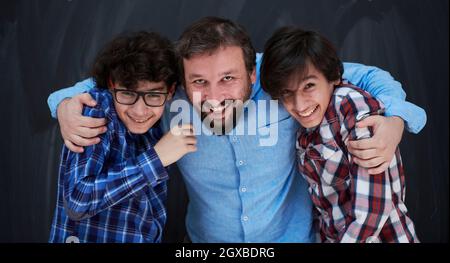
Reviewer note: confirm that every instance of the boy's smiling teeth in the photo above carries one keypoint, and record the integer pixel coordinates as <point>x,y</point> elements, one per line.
<point>138,121</point>
<point>308,112</point>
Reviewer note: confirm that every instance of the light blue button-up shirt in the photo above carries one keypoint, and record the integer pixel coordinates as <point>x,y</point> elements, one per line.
<point>240,191</point>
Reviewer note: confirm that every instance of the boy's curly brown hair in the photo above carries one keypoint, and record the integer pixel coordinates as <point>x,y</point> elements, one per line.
<point>133,57</point>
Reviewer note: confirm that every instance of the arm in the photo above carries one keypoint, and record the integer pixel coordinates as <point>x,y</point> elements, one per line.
<point>371,202</point>
<point>371,194</point>
<point>76,129</point>
<point>382,86</point>
<point>375,153</point>
<point>92,185</point>
<point>58,96</point>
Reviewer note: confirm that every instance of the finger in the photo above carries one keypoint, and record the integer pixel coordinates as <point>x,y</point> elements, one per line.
<point>80,141</point>
<point>90,122</point>
<point>371,163</point>
<point>380,169</point>
<point>73,147</point>
<point>86,99</point>
<point>185,130</point>
<point>369,121</point>
<point>191,140</point>
<point>188,128</point>
<point>364,154</point>
<point>188,133</point>
<point>191,148</point>
<point>176,131</point>
<point>90,132</point>
<point>363,144</point>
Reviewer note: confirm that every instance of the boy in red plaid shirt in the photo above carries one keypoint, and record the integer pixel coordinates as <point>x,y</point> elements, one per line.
<point>301,68</point>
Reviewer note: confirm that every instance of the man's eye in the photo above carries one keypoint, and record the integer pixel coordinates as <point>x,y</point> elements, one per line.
<point>309,85</point>
<point>199,81</point>
<point>228,78</point>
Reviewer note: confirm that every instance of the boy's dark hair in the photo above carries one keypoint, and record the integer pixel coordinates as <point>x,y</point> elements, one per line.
<point>287,54</point>
<point>133,57</point>
<point>210,33</point>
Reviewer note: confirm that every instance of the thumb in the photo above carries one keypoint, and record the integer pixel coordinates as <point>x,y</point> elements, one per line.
<point>369,121</point>
<point>87,100</point>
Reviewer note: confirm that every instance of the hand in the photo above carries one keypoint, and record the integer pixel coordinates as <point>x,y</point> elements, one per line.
<point>176,143</point>
<point>76,129</point>
<point>376,153</point>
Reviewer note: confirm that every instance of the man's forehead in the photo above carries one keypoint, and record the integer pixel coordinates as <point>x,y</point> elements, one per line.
<point>214,51</point>
<point>199,74</point>
<point>216,54</point>
<point>221,61</point>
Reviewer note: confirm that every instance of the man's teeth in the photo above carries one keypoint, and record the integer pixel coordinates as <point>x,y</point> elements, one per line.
<point>220,108</point>
<point>309,112</point>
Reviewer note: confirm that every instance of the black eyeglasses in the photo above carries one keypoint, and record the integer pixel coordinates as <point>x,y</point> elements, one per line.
<point>130,97</point>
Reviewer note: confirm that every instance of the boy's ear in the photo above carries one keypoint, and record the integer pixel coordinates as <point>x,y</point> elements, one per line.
<point>171,91</point>
<point>253,75</point>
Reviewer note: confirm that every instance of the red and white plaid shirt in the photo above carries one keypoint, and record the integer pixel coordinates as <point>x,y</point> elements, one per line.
<point>352,205</point>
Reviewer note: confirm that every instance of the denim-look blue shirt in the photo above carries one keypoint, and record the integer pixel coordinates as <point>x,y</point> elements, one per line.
<point>240,191</point>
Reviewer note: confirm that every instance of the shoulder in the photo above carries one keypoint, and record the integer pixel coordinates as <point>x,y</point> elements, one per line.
<point>350,100</point>
<point>104,106</point>
<point>259,58</point>
<point>103,109</point>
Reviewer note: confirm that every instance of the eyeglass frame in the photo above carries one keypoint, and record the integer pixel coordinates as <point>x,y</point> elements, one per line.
<point>140,94</point>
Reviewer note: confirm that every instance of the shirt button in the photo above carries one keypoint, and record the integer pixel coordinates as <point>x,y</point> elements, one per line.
<point>244,189</point>
<point>245,218</point>
<point>72,239</point>
<point>241,162</point>
<point>372,239</point>
<point>234,139</point>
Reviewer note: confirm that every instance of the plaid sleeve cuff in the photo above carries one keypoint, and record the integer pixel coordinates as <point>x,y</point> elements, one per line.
<point>152,167</point>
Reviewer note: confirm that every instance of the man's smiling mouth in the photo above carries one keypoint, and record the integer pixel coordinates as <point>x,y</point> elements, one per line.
<point>219,111</point>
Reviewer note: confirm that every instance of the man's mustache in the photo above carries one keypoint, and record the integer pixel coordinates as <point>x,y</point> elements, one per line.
<point>209,106</point>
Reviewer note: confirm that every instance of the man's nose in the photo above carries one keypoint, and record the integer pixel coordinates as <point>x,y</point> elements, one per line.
<point>214,93</point>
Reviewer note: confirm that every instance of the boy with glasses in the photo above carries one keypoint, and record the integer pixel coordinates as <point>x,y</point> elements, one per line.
<point>115,191</point>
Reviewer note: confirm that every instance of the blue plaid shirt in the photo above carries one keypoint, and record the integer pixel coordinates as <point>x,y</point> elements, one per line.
<point>115,190</point>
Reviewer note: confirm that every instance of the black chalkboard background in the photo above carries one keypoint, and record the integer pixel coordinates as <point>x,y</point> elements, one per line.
<point>47,45</point>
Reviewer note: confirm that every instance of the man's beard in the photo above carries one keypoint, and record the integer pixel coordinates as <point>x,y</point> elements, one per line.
<point>229,120</point>
<point>223,126</point>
